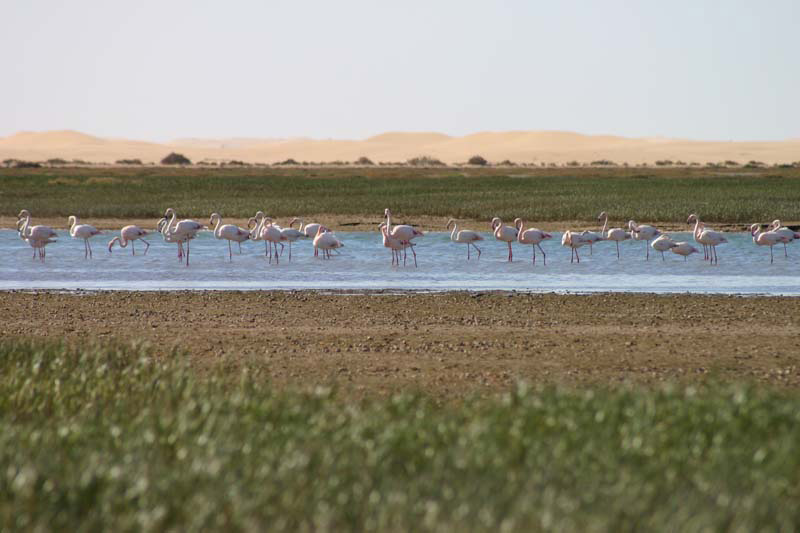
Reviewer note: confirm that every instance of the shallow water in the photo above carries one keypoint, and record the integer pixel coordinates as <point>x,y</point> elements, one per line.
<point>364,264</point>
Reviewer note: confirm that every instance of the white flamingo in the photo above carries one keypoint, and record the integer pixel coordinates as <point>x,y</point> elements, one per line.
<point>685,249</point>
<point>785,232</point>
<point>643,233</point>
<point>707,237</point>
<point>464,237</point>
<point>767,238</point>
<point>506,234</point>
<point>310,229</point>
<point>403,232</point>
<point>326,241</point>
<point>532,236</point>
<point>662,243</point>
<point>229,232</point>
<point>130,234</point>
<point>393,244</point>
<point>592,237</point>
<point>180,232</point>
<point>614,234</point>
<point>291,235</point>
<point>573,240</point>
<point>82,231</point>
<point>37,236</point>
<point>271,235</point>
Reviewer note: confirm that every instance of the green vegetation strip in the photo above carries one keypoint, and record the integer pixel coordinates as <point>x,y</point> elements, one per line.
<point>108,438</point>
<point>546,195</point>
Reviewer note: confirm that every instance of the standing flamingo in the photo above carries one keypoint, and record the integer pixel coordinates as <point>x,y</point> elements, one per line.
<point>394,245</point>
<point>271,235</point>
<point>326,241</point>
<point>291,235</point>
<point>643,233</point>
<point>707,237</point>
<point>662,243</point>
<point>573,240</point>
<point>767,238</point>
<point>310,229</point>
<point>82,231</point>
<point>592,237</point>
<point>614,234</point>
<point>785,232</point>
<point>229,232</point>
<point>37,236</point>
<point>130,234</point>
<point>685,249</point>
<point>503,233</point>
<point>464,237</point>
<point>180,232</point>
<point>532,236</point>
<point>403,232</point>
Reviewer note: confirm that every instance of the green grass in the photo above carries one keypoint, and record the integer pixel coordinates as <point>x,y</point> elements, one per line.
<point>657,195</point>
<point>112,439</point>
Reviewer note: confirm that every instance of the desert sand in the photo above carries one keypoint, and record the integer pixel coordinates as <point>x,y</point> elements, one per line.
<point>520,146</point>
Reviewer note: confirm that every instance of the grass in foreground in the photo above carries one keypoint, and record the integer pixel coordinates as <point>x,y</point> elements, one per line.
<point>656,195</point>
<point>110,438</point>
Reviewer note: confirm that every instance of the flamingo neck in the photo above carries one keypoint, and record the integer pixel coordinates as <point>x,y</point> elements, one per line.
<point>217,230</point>
<point>604,231</point>
<point>73,221</point>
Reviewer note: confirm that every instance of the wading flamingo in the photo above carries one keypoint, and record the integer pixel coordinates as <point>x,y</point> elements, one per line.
<point>37,236</point>
<point>767,238</point>
<point>310,229</point>
<point>403,232</point>
<point>229,232</point>
<point>38,246</point>
<point>464,237</point>
<point>614,234</point>
<point>532,236</point>
<point>180,232</point>
<point>162,226</point>
<point>271,235</point>
<point>326,241</point>
<point>291,235</point>
<point>507,234</point>
<point>707,237</point>
<point>394,245</point>
<point>573,240</point>
<point>685,249</point>
<point>82,231</point>
<point>662,243</point>
<point>643,233</point>
<point>130,234</point>
<point>785,232</point>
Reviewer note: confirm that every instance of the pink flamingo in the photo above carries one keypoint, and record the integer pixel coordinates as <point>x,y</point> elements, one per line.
<point>785,232</point>
<point>326,241</point>
<point>643,232</point>
<point>464,237</point>
<point>532,236</point>
<point>507,234</point>
<point>614,234</point>
<point>180,232</point>
<point>394,245</point>
<point>37,236</point>
<point>130,234</point>
<point>767,238</point>
<point>685,249</point>
<point>271,235</point>
<point>707,237</point>
<point>229,232</point>
<point>402,232</point>
<point>573,240</point>
<point>82,231</point>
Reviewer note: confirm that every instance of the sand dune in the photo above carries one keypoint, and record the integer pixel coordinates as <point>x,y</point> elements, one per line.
<point>518,146</point>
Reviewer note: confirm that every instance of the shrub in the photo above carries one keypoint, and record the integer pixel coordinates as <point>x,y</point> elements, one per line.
<point>363,160</point>
<point>425,161</point>
<point>603,163</point>
<point>56,161</point>
<point>754,164</point>
<point>129,162</point>
<point>289,161</point>
<point>176,159</point>
<point>508,163</point>
<point>9,162</point>
<point>730,163</point>
<point>664,163</point>
<point>573,164</point>
<point>27,164</point>
<point>236,163</point>
<point>478,160</point>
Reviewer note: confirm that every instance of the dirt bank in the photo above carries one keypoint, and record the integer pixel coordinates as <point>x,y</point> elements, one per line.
<point>448,344</point>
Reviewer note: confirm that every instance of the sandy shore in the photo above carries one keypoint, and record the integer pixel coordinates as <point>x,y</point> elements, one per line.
<point>449,344</point>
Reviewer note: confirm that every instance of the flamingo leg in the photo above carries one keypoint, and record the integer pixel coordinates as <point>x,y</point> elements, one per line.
<point>544,255</point>
<point>617,249</point>
<point>479,250</point>
<point>785,251</point>
<point>415,255</point>
<point>647,250</point>
<point>771,259</point>
<point>147,245</point>
<point>467,251</point>
<point>591,248</point>
<point>187,253</point>
<point>230,252</point>
<point>510,255</point>
<point>662,256</point>
<point>577,255</point>
<point>240,248</point>
<point>290,251</point>
<point>133,247</point>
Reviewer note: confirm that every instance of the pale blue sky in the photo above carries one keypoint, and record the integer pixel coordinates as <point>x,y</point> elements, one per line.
<point>350,69</point>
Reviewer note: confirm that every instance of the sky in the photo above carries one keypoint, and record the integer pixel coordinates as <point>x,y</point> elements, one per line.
<point>345,69</point>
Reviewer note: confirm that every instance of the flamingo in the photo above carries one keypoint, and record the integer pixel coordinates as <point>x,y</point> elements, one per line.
<point>228,232</point>
<point>130,234</point>
<point>310,229</point>
<point>464,237</point>
<point>327,241</point>
<point>614,234</point>
<point>37,236</point>
<point>532,236</point>
<point>707,237</point>
<point>394,245</point>
<point>573,239</point>
<point>788,234</point>
<point>767,238</point>
<point>503,233</point>
<point>180,232</point>
<point>403,232</point>
<point>82,231</point>
<point>292,235</point>
<point>162,228</point>
<point>685,249</point>
<point>592,237</point>
<point>643,233</point>
<point>271,235</point>
<point>662,243</point>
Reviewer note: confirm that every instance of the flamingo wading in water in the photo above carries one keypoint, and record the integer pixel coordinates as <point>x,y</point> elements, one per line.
<point>614,234</point>
<point>707,237</point>
<point>464,236</point>
<point>785,232</point>
<point>229,232</point>
<point>82,231</point>
<point>573,240</point>
<point>507,234</point>
<point>532,236</point>
<point>37,236</point>
<point>767,238</point>
<point>130,234</point>
<point>180,232</point>
<point>402,232</point>
<point>643,232</point>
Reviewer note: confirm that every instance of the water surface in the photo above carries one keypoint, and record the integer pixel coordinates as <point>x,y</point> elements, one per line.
<point>364,264</point>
